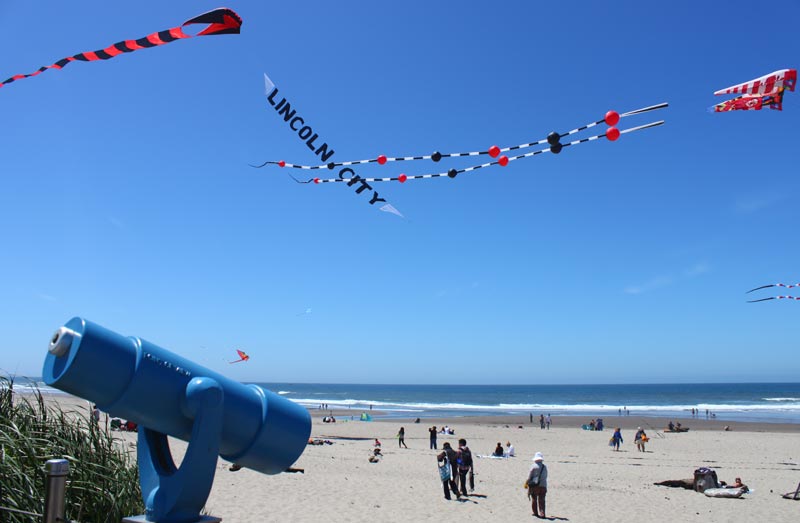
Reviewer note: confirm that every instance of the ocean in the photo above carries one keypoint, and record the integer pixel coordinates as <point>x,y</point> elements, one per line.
<point>762,402</point>
<point>767,402</point>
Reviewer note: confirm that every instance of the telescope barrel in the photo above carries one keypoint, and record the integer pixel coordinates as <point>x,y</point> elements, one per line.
<point>134,379</point>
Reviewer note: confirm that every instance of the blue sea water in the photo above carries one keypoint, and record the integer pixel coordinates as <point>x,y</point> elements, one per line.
<point>768,402</point>
<point>764,402</point>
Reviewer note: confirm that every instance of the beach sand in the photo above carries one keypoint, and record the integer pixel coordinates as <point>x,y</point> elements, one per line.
<point>588,482</point>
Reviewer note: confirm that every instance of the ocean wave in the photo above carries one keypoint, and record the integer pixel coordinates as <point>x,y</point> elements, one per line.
<point>39,387</point>
<point>781,399</point>
<point>284,392</point>
<point>539,407</point>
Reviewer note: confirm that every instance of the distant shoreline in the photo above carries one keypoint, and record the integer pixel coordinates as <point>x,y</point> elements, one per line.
<point>649,423</point>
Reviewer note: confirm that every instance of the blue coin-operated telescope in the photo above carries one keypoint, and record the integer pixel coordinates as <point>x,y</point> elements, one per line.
<point>167,395</point>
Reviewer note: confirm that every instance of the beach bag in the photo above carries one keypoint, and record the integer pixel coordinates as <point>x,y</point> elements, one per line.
<point>444,469</point>
<point>705,478</point>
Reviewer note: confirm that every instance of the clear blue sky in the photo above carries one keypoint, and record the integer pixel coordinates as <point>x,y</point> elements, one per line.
<point>127,196</point>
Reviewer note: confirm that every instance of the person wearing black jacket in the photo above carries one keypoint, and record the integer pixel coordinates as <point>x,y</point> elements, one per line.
<point>465,464</point>
<point>449,456</point>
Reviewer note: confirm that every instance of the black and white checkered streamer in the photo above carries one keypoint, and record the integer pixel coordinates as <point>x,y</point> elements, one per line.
<point>776,298</point>
<point>452,173</point>
<point>611,118</point>
<point>784,285</point>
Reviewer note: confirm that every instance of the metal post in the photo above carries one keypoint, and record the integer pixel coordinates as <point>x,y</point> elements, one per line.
<point>56,471</point>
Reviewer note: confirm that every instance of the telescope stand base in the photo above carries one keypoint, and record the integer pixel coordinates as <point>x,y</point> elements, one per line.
<point>143,519</point>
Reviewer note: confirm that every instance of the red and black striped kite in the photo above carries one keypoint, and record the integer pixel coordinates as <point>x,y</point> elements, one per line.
<point>220,21</point>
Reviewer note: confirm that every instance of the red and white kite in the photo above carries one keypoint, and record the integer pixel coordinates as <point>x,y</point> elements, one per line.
<point>764,91</point>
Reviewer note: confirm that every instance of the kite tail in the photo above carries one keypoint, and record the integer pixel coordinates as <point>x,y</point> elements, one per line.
<point>221,21</point>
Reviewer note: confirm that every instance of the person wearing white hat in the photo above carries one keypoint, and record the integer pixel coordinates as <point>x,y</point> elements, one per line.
<point>537,485</point>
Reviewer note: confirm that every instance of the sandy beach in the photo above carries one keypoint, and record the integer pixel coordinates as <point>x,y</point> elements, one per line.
<point>588,481</point>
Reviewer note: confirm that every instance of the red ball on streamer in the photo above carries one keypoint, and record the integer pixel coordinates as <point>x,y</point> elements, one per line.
<point>612,118</point>
<point>282,163</point>
<point>402,178</point>
<point>612,134</point>
<point>381,159</point>
<point>503,160</point>
<point>494,151</point>
<point>316,180</point>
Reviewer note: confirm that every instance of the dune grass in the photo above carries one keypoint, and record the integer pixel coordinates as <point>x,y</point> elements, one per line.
<point>103,483</point>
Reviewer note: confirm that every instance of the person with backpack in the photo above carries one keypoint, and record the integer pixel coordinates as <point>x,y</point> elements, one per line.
<point>448,471</point>
<point>465,466</point>
<point>537,485</point>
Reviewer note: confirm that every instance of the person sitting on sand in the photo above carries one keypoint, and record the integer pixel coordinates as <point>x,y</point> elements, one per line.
<point>737,483</point>
<point>591,425</point>
<point>671,426</point>
<point>509,449</point>
<point>377,452</point>
<point>498,450</point>
<point>377,443</point>
<point>678,426</point>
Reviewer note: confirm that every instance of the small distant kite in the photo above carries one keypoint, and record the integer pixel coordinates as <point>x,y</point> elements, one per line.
<point>764,91</point>
<point>307,311</point>
<point>784,285</point>
<point>220,21</point>
<point>242,356</point>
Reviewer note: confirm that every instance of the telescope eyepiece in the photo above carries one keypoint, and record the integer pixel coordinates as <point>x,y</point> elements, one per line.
<point>61,341</point>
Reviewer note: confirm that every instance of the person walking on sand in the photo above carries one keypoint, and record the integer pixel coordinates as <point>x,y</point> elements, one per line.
<point>401,438</point>
<point>465,464</point>
<point>541,421</point>
<point>640,439</point>
<point>616,439</point>
<point>432,432</point>
<point>537,485</point>
<point>547,421</point>
<point>449,457</point>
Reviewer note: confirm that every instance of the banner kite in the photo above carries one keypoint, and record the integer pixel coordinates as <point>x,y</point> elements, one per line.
<point>220,21</point>
<point>552,141</point>
<point>306,133</point>
<point>758,93</point>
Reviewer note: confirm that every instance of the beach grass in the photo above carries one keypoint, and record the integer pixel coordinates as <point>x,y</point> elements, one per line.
<point>103,483</point>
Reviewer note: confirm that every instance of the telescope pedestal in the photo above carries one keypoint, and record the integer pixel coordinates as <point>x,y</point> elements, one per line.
<point>177,495</point>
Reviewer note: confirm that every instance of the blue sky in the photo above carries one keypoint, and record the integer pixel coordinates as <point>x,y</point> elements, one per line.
<point>127,197</point>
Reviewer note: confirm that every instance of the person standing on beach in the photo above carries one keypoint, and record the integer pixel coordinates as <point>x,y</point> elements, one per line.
<point>449,456</point>
<point>537,485</point>
<point>547,421</point>
<point>541,421</point>
<point>432,431</point>
<point>465,464</point>
<point>401,438</point>
<point>616,439</point>
<point>640,439</point>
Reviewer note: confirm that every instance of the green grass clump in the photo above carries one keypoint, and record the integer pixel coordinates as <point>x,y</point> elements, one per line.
<point>103,481</point>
